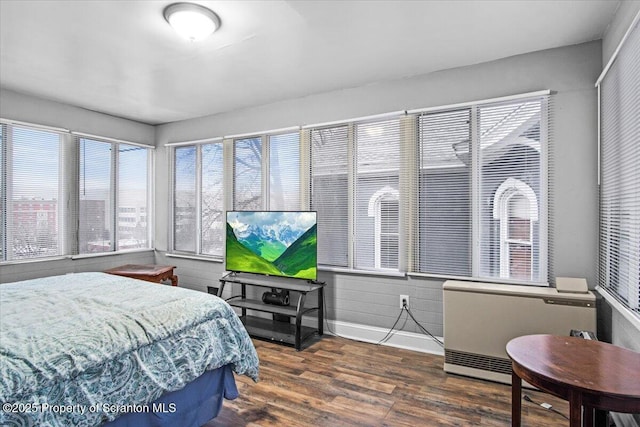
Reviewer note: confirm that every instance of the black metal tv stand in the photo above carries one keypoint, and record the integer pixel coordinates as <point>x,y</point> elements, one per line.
<point>275,330</point>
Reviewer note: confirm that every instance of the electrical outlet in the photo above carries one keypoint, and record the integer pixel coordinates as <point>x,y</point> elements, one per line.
<point>404,298</point>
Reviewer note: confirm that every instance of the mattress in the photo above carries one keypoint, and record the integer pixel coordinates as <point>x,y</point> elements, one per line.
<point>83,349</point>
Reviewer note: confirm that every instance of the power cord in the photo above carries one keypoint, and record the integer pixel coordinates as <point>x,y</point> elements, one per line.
<point>406,309</point>
<point>390,332</point>
<point>544,405</point>
<point>422,327</point>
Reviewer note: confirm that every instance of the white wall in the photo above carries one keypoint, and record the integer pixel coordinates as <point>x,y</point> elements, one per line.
<point>25,108</point>
<point>627,10</point>
<point>31,270</point>
<point>370,300</point>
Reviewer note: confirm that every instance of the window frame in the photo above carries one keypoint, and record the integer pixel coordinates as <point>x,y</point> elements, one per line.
<point>544,266</point>
<point>618,238</point>
<point>228,144</point>
<point>68,213</point>
<point>114,192</point>
<point>7,170</point>
<point>198,146</point>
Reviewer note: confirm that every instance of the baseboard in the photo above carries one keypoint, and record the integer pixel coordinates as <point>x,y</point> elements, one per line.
<point>373,334</point>
<point>624,420</point>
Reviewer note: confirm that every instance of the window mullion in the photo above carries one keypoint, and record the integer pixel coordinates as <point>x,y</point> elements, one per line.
<point>171,225</point>
<point>351,188</point>
<point>305,169</point>
<point>151,191</point>
<point>115,147</point>
<point>198,207</point>
<point>545,265</point>
<point>69,189</point>
<point>408,190</point>
<point>266,171</point>
<point>8,194</point>
<point>476,171</point>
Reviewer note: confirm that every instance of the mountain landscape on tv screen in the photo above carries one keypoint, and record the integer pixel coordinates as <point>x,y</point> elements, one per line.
<point>269,243</point>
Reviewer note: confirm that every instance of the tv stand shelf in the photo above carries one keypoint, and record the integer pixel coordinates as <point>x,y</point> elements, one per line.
<point>284,332</point>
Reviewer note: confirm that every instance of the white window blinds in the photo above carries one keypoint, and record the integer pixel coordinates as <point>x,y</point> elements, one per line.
<point>247,174</point>
<point>133,196</point>
<point>114,194</point>
<point>96,197</point>
<point>184,199</point>
<point>31,192</point>
<point>213,217</point>
<point>619,270</point>
<point>3,210</point>
<point>511,192</point>
<point>482,192</point>
<point>198,199</point>
<point>377,196</point>
<point>284,172</point>
<point>330,193</point>
<point>444,193</point>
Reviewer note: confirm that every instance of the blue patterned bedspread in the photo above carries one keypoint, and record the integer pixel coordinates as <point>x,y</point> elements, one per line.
<point>80,349</point>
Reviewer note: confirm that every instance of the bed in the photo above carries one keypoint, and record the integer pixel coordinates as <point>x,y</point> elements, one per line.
<point>90,349</point>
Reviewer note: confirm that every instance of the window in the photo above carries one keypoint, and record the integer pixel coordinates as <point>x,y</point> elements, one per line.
<point>198,199</point>
<point>200,195</point>
<point>31,173</point>
<point>619,267</point>
<point>133,194</point>
<point>377,154</point>
<point>213,217</point>
<point>447,192</point>
<point>277,159</point>
<point>511,144</point>
<point>330,193</point>
<point>3,145</point>
<point>444,193</point>
<point>247,174</point>
<point>486,186</point>
<point>284,172</point>
<point>111,204</point>
<point>96,197</point>
<point>355,182</point>
<point>184,199</point>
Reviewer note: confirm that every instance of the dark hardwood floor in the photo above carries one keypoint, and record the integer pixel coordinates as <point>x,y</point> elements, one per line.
<point>340,382</point>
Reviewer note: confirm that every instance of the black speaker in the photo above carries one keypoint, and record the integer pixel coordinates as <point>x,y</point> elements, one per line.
<point>276,297</point>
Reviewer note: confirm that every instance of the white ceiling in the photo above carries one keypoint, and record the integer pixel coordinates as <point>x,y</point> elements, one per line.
<point>123,59</point>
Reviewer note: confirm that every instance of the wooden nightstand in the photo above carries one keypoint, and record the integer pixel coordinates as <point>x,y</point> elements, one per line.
<point>150,272</point>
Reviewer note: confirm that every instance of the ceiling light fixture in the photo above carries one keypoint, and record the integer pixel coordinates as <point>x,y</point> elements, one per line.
<point>191,21</point>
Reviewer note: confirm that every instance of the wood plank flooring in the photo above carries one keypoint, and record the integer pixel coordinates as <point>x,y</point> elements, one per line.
<point>340,382</point>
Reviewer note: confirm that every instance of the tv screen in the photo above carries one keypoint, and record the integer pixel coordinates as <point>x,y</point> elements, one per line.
<point>272,243</point>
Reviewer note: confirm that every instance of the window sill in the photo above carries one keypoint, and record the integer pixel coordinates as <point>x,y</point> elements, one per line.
<point>633,318</point>
<point>194,257</point>
<point>102,254</point>
<point>478,279</point>
<point>344,270</point>
<point>35,260</point>
<point>74,257</point>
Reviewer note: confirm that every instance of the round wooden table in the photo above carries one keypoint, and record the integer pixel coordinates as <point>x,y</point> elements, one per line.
<point>587,373</point>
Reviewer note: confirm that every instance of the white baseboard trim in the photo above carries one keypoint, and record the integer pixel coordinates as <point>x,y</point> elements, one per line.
<point>373,334</point>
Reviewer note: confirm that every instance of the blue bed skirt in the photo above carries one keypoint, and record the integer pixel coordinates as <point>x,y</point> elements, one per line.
<point>192,406</point>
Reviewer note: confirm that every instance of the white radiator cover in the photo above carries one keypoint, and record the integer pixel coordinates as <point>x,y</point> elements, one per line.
<point>481,318</point>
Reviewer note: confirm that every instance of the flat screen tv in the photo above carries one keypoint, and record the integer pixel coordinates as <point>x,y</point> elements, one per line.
<point>274,243</point>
